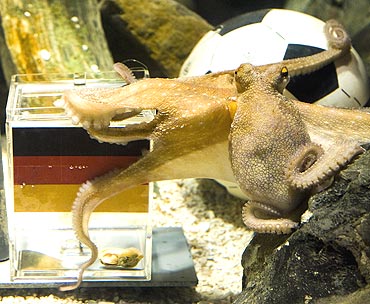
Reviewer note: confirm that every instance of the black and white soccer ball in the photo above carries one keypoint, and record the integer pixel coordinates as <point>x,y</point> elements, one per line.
<point>272,35</point>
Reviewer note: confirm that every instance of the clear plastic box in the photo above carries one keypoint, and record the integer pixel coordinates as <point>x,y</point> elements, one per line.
<point>47,159</point>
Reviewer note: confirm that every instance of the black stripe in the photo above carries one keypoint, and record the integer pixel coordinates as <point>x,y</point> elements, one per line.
<point>242,20</point>
<point>316,85</point>
<point>68,142</point>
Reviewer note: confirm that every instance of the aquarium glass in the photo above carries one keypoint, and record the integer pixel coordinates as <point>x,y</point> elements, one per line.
<point>48,158</point>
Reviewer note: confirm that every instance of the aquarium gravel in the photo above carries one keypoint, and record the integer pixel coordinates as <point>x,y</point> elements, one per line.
<point>211,220</point>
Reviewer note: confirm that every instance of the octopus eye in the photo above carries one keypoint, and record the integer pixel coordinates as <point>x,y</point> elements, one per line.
<point>284,72</point>
<point>282,80</point>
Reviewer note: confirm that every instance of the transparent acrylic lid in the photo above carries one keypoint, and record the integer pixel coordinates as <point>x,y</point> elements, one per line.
<point>32,96</point>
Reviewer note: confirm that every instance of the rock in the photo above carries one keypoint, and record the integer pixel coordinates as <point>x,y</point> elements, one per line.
<point>359,297</point>
<point>352,14</point>
<point>159,33</point>
<point>327,258</point>
<point>361,43</point>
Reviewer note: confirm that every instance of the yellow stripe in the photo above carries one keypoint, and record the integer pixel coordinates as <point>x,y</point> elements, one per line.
<point>59,198</point>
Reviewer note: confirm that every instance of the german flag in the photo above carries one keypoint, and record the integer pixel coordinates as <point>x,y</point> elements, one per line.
<point>51,163</point>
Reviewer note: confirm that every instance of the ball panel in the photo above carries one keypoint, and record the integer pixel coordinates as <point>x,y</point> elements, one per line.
<point>233,50</point>
<point>243,20</point>
<point>296,27</point>
<point>300,50</point>
<point>339,98</point>
<point>353,78</point>
<point>312,87</point>
<point>199,61</point>
<point>315,86</point>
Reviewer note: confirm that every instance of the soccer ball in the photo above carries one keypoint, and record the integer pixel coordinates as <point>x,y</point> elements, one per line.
<point>272,35</point>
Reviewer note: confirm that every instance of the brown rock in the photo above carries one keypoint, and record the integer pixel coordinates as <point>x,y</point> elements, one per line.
<point>327,259</point>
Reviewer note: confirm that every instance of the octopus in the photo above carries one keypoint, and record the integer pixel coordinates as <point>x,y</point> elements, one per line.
<point>233,125</point>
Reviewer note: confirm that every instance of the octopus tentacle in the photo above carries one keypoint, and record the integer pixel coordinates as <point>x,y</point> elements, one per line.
<point>124,135</point>
<point>95,116</point>
<point>91,194</point>
<point>82,235</point>
<point>158,164</point>
<point>309,167</point>
<point>88,198</point>
<point>336,35</point>
<point>271,225</point>
<point>267,209</point>
<point>297,171</point>
<point>96,107</point>
<point>339,44</point>
<point>328,124</point>
<point>89,111</point>
<point>125,72</point>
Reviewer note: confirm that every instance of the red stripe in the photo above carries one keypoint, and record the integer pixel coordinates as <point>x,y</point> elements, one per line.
<point>32,170</point>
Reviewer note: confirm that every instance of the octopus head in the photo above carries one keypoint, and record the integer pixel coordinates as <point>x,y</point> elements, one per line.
<point>246,75</point>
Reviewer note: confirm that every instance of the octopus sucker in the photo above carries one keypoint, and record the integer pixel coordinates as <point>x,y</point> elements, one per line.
<point>299,169</point>
<point>75,119</point>
<point>324,167</point>
<point>124,72</point>
<point>123,135</point>
<point>266,208</point>
<point>236,127</point>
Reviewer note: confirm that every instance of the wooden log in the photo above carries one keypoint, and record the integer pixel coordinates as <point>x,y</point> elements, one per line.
<point>159,33</point>
<point>47,36</point>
